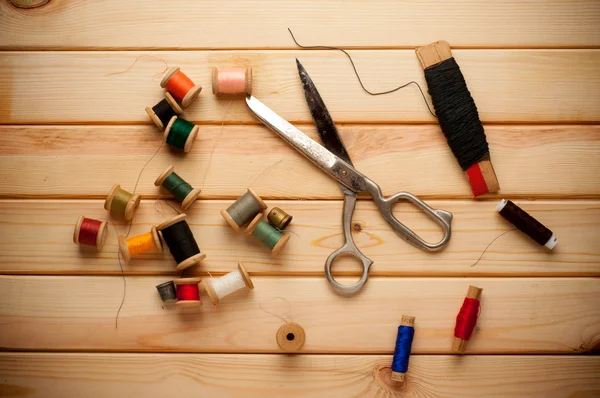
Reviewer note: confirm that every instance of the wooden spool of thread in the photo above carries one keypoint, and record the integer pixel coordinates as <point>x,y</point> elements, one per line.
<point>279,218</point>
<point>188,292</point>
<point>180,134</point>
<point>243,210</point>
<point>167,291</point>
<point>290,337</point>
<point>406,333</point>
<point>181,87</point>
<point>466,319</point>
<point>180,240</point>
<point>178,187</point>
<point>148,242</point>
<point>232,81</point>
<point>162,112</point>
<point>121,204</point>
<point>217,288</point>
<point>460,122</point>
<point>527,224</point>
<point>267,234</point>
<point>90,232</point>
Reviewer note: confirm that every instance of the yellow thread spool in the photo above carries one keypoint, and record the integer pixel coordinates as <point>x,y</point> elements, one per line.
<point>140,244</point>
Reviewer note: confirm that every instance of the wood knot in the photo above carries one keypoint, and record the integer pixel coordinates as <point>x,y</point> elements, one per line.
<point>28,3</point>
<point>383,375</point>
<point>356,227</point>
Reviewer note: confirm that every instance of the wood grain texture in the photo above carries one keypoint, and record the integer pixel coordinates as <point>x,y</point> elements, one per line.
<point>548,86</point>
<point>519,315</point>
<point>264,24</point>
<point>37,240</point>
<point>85,161</point>
<point>191,375</point>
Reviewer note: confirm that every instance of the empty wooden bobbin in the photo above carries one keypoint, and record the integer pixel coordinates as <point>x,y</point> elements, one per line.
<point>190,195</point>
<point>227,81</point>
<point>130,207</point>
<point>178,89</point>
<point>190,137</point>
<point>100,236</point>
<point>158,119</point>
<point>189,261</point>
<point>290,337</point>
<point>187,302</point>
<point>216,295</point>
<point>257,225</point>
<point>124,247</point>
<point>279,218</point>
<point>243,210</point>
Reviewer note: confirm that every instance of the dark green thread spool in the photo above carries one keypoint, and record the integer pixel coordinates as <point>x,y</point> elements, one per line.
<point>243,210</point>
<point>279,218</point>
<point>178,187</point>
<point>180,133</point>
<point>121,204</point>
<point>267,234</point>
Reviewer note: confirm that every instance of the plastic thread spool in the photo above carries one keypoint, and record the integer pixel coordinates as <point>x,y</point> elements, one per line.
<point>180,133</point>
<point>404,340</point>
<point>121,204</point>
<point>279,218</point>
<point>267,234</point>
<point>181,190</point>
<point>188,293</point>
<point>167,291</point>
<point>291,337</point>
<point>90,232</point>
<point>179,238</point>
<point>140,244</point>
<point>527,224</point>
<point>181,87</point>
<point>243,210</point>
<point>466,319</point>
<point>232,81</point>
<point>162,112</point>
<point>218,288</point>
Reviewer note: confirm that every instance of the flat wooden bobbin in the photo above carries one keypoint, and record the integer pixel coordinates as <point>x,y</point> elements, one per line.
<point>215,82</point>
<point>406,321</point>
<point>124,249</point>
<point>188,262</point>
<point>189,199</point>
<point>460,345</point>
<point>190,139</point>
<point>190,96</point>
<point>481,175</point>
<point>133,203</point>
<point>213,295</point>
<point>155,117</point>
<point>188,281</point>
<point>278,246</point>
<point>100,238</point>
<point>290,337</point>
<point>230,220</point>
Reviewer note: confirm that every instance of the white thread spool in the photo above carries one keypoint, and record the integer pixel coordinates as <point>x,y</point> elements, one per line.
<point>218,288</point>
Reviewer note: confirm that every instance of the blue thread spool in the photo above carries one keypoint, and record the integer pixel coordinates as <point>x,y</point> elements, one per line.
<point>406,333</point>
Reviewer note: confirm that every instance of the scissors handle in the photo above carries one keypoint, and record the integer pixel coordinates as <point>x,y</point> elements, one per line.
<point>348,248</point>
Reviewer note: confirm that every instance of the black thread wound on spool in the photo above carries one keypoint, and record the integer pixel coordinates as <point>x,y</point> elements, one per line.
<point>527,224</point>
<point>164,111</point>
<point>457,113</point>
<point>181,241</point>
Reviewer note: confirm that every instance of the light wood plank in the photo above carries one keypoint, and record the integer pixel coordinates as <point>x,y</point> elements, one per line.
<point>192,375</point>
<point>519,315</point>
<point>508,85</point>
<point>191,24</point>
<point>85,161</point>
<point>37,239</point>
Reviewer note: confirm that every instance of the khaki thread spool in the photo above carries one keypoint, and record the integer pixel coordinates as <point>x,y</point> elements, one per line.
<point>181,87</point>
<point>232,81</point>
<point>181,190</point>
<point>267,234</point>
<point>121,204</point>
<point>180,133</point>
<point>90,232</point>
<point>290,337</point>
<point>167,291</point>
<point>243,210</point>
<point>140,244</point>
<point>181,242</point>
<point>163,111</point>
<point>279,218</point>
<point>188,292</point>
<point>218,288</point>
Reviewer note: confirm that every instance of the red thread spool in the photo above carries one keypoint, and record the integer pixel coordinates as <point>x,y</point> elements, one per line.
<point>466,319</point>
<point>90,232</point>
<point>181,87</point>
<point>188,292</point>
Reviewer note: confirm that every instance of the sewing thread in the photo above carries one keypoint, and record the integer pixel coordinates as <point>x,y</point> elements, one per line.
<point>148,242</point>
<point>527,224</point>
<point>218,288</point>
<point>268,235</point>
<point>181,242</point>
<point>188,293</point>
<point>243,210</point>
<point>232,81</point>
<point>180,134</point>
<point>279,218</point>
<point>181,87</point>
<point>404,339</point>
<point>90,232</point>
<point>162,112</point>
<point>178,187</point>
<point>466,319</point>
<point>121,204</point>
<point>167,291</point>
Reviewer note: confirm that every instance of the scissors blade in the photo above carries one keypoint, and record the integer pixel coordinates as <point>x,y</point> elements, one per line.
<point>321,117</point>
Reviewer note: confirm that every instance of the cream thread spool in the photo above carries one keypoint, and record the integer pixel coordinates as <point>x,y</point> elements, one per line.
<point>218,288</point>
<point>290,337</point>
<point>124,246</point>
<point>267,234</point>
<point>279,218</point>
<point>185,302</point>
<point>232,81</point>
<point>157,117</point>
<point>243,210</point>
<point>186,201</point>
<point>180,86</point>
<point>118,209</point>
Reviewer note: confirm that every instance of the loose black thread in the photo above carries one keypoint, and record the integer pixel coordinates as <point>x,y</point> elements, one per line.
<point>164,111</point>
<point>457,113</point>
<point>181,242</point>
<point>358,76</point>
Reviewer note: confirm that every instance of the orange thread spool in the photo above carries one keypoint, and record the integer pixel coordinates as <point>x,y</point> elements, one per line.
<point>181,87</point>
<point>232,81</point>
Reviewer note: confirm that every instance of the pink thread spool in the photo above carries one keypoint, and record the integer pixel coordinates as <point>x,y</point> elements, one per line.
<point>232,81</point>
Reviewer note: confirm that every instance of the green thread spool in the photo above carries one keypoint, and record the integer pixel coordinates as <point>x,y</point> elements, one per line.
<point>279,218</point>
<point>180,133</point>
<point>267,234</point>
<point>178,187</point>
<point>121,204</point>
<point>243,210</point>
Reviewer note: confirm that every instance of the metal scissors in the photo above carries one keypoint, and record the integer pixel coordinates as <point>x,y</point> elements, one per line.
<point>334,160</point>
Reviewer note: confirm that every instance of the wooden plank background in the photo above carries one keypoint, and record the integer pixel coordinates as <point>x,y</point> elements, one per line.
<point>71,126</point>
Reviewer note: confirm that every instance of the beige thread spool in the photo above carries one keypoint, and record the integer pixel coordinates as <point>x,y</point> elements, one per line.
<point>156,119</point>
<point>176,85</point>
<point>279,218</point>
<point>129,208</point>
<point>188,281</point>
<point>243,210</point>
<point>100,237</point>
<point>290,337</point>
<point>223,84</point>
<point>218,288</point>
<point>124,247</point>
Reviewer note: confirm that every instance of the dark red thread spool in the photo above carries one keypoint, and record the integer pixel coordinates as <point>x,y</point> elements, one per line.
<point>90,232</point>
<point>466,319</point>
<point>527,224</point>
<point>188,292</point>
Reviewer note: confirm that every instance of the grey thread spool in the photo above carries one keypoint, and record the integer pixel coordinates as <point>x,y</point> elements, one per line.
<point>279,218</point>
<point>243,210</point>
<point>167,291</point>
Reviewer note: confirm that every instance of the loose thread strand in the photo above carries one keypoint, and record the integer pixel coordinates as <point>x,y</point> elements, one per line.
<point>137,59</point>
<point>260,304</point>
<point>490,244</point>
<point>215,144</point>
